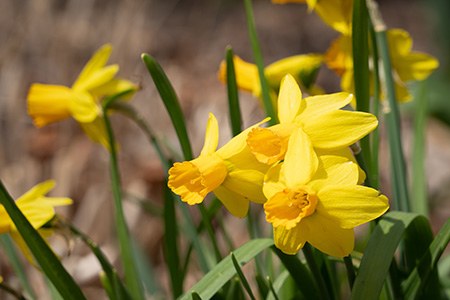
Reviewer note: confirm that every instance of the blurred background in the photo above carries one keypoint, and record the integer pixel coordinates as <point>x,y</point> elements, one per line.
<point>49,41</point>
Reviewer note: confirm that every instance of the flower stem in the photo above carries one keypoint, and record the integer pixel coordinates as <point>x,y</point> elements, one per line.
<point>351,275</point>
<point>126,251</point>
<point>309,255</point>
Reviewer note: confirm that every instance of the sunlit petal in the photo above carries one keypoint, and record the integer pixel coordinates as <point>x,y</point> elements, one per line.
<point>290,102</point>
<point>235,203</point>
<point>211,136</point>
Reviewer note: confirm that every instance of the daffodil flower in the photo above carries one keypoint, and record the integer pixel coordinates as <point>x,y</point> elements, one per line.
<point>407,65</point>
<point>52,103</point>
<point>335,13</point>
<point>304,68</point>
<point>231,172</point>
<point>320,117</point>
<point>316,199</point>
<point>37,208</point>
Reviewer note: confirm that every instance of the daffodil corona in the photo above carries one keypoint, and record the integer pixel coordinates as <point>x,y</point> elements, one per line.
<point>316,199</point>
<point>52,103</point>
<point>231,172</point>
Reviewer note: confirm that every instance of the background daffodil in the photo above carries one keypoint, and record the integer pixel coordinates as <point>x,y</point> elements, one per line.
<point>303,67</point>
<point>52,103</point>
<point>407,65</point>
<point>231,172</point>
<point>317,200</point>
<point>320,117</point>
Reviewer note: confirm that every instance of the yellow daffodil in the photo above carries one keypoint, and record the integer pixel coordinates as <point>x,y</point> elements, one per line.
<point>52,103</point>
<point>316,199</point>
<point>231,172</point>
<point>320,117</point>
<point>335,13</point>
<point>37,208</point>
<point>407,65</point>
<point>304,68</point>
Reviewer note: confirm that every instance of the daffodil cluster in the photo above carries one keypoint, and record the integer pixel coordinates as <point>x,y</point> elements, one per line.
<point>301,170</point>
<point>51,103</point>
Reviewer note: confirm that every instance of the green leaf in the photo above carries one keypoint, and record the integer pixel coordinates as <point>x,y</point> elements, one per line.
<point>268,107</point>
<point>244,281</point>
<point>212,282</point>
<point>170,243</point>
<point>44,256</point>
<point>170,100</point>
<point>301,275</point>
<point>233,96</point>
<point>379,253</point>
<point>414,286</point>
<point>277,285</point>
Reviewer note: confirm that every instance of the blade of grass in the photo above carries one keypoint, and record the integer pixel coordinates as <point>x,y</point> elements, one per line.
<point>392,114</point>
<point>44,256</point>
<point>379,253</point>
<point>14,260</point>
<point>414,284</point>
<point>257,55</point>
<point>244,281</point>
<point>126,248</point>
<point>301,275</point>
<point>324,291</point>
<point>419,203</point>
<point>171,102</point>
<point>233,96</point>
<point>212,282</point>
<point>277,285</point>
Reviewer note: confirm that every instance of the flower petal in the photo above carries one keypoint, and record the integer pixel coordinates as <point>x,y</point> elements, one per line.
<point>49,103</point>
<point>236,204</point>
<point>300,161</point>
<point>39,190</point>
<point>290,102</point>
<point>97,61</point>
<point>247,183</point>
<point>97,79</point>
<point>351,205</point>
<point>327,236</point>
<point>246,74</point>
<point>83,108</point>
<point>415,66</point>
<point>96,131</point>
<point>338,129</point>
<point>274,181</point>
<point>114,86</point>
<point>290,241</point>
<point>322,104</point>
<point>211,136</point>
<point>5,221</point>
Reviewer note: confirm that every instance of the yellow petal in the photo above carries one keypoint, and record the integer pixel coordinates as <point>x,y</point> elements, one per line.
<point>37,213</point>
<point>274,181</point>
<point>97,79</point>
<point>96,131</point>
<point>336,13</point>
<point>113,87</point>
<point>339,55</point>
<point>351,205</point>
<point>400,43</point>
<point>327,236</point>
<point>290,241</point>
<point>303,68</point>
<point>319,105</point>
<point>97,61</point>
<point>236,204</point>
<point>415,66</point>
<point>39,190</point>
<point>247,183</point>
<point>338,129</point>
<point>247,77</point>
<point>49,103</point>
<point>211,136</point>
<point>290,102</point>
<point>288,1</point>
<point>83,108</point>
<point>300,161</point>
<point>5,221</point>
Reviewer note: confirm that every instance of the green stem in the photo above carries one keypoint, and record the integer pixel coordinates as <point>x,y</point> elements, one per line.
<point>126,251</point>
<point>268,107</point>
<point>309,255</point>
<point>351,275</point>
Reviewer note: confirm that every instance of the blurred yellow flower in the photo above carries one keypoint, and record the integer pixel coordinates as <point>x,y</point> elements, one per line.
<point>52,103</point>
<point>316,199</point>
<point>320,117</point>
<point>304,68</point>
<point>407,65</point>
<point>37,208</point>
<point>335,13</point>
<point>231,172</point>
